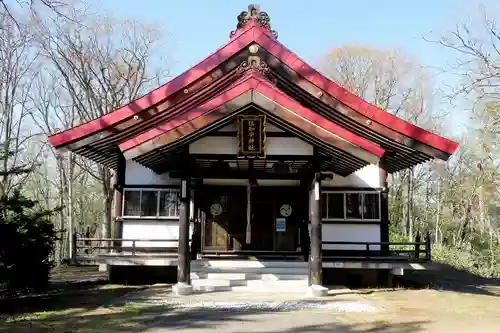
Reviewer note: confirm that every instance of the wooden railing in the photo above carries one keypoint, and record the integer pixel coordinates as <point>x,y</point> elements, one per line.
<point>88,247</point>
<point>418,251</point>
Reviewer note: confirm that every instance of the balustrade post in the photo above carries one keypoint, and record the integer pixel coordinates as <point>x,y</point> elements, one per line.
<point>428,246</point>
<point>417,245</point>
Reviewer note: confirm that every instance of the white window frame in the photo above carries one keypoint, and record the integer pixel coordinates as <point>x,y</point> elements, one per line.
<point>327,219</point>
<point>158,190</point>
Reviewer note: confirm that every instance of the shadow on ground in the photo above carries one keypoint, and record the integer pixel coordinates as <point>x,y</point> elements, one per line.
<point>85,296</point>
<point>252,320</point>
<point>162,319</point>
<point>449,278</point>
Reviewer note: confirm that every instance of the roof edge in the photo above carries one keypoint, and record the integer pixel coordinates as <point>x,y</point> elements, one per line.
<point>358,104</point>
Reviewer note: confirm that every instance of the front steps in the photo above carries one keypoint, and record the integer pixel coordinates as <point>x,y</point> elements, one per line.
<point>249,276</point>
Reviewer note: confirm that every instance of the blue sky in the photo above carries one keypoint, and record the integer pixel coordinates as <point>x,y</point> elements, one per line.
<point>309,29</point>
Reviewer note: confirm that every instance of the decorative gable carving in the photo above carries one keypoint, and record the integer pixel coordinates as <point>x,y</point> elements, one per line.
<point>254,14</point>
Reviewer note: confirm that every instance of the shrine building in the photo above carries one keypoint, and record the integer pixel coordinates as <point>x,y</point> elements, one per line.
<point>252,163</point>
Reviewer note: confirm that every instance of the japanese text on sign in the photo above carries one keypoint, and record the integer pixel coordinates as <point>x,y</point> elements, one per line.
<point>251,136</point>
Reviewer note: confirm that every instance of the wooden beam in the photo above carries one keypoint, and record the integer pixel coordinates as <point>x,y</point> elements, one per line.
<point>238,174</point>
<point>268,134</point>
<point>231,157</point>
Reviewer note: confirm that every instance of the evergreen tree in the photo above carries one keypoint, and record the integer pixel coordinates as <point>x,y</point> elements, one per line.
<point>27,239</point>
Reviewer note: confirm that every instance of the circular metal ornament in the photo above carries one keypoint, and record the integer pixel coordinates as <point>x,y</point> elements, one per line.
<point>254,48</point>
<point>286,210</point>
<point>216,209</point>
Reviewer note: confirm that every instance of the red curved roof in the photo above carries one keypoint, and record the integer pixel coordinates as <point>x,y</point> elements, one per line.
<point>256,34</point>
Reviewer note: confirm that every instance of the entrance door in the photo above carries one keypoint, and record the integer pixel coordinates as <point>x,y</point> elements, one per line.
<point>276,216</point>
<point>288,213</point>
<point>262,224</point>
<point>223,208</point>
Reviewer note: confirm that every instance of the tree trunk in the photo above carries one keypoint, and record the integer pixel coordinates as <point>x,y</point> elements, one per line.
<point>62,185</point>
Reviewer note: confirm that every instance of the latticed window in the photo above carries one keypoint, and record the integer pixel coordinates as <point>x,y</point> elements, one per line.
<point>162,203</point>
<point>169,203</point>
<point>354,205</point>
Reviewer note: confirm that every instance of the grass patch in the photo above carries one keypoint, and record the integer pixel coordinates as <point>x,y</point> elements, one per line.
<point>91,310</point>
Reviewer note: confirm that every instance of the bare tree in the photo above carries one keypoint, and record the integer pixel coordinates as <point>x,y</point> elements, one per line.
<point>102,64</point>
<point>17,62</point>
<point>477,46</point>
<point>16,10</point>
<point>398,85</point>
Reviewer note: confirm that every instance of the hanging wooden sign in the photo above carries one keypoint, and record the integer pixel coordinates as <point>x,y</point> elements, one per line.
<point>252,136</point>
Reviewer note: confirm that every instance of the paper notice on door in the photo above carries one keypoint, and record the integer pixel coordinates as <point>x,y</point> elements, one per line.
<point>280,224</point>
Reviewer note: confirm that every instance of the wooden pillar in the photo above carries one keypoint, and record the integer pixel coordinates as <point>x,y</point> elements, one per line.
<point>248,237</point>
<point>384,205</point>
<point>118,200</point>
<point>304,237</point>
<point>315,264</point>
<point>196,220</point>
<point>183,259</point>
<point>248,232</point>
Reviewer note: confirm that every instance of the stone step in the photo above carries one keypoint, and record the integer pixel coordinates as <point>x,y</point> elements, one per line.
<point>246,276</point>
<point>247,264</point>
<point>222,276</point>
<point>217,283</point>
<point>272,287</point>
<point>249,286</point>
<point>281,283</point>
<point>251,270</point>
<point>211,288</point>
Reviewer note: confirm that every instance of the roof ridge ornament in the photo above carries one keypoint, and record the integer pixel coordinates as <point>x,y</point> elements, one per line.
<point>256,64</point>
<point>254,14</point>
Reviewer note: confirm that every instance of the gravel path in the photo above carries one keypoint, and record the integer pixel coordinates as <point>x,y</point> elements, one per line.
<point>266,305</point>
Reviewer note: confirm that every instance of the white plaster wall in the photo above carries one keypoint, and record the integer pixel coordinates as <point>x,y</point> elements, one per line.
<point>366,177</point>
<point>136,174</point>
<point>350,233</point>
<point>233,127</point>
<point>228,145</point>
<point>152,229</point>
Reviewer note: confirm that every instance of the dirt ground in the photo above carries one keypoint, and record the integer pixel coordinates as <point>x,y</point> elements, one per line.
<point>429,311</point>
<point>111,308</point>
